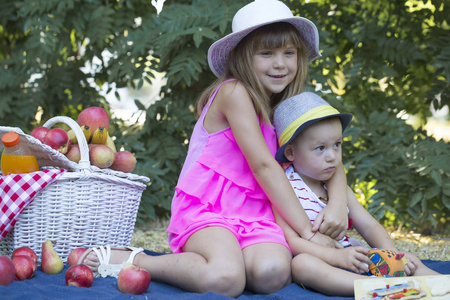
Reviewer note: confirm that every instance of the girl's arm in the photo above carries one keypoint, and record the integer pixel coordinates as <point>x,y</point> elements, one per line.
<point>333,219</point>
<point>235,108</point>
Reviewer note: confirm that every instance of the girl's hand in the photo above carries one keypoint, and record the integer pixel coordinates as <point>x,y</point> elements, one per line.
<point>353,258</point>
<point>331,222</point>
<point>325,240</point>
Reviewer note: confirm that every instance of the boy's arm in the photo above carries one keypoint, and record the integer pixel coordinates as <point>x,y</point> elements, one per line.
<point>351,258</point>
<point>333,219</point>
<point>377,237</point>
<point>366,225</point>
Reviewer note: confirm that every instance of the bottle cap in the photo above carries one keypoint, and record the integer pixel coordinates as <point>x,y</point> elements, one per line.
<point>10,139</point>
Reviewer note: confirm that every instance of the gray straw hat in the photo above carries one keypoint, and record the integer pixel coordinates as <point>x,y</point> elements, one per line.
<point>297,113</point>
<point>252,16</point>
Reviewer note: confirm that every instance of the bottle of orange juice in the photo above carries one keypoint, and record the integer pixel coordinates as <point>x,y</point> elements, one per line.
<point>16,157</point>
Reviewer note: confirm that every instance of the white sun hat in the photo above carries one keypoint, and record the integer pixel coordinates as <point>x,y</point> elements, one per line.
<point>252,16</point>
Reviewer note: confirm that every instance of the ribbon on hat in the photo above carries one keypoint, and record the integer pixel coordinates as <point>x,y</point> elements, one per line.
<point>18,191</point>
<point>315,113</point>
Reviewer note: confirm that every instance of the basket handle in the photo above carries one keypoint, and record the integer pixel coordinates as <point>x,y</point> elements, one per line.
<point>84,162</point>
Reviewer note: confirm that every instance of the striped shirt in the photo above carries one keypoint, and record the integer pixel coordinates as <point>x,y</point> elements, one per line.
<point>308,199</point>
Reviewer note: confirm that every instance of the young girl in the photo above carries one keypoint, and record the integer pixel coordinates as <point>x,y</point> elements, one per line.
<point>222,230</point>
<point>309,131</point>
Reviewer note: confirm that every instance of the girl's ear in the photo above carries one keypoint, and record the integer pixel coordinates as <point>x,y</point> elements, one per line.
<point>289,152</point>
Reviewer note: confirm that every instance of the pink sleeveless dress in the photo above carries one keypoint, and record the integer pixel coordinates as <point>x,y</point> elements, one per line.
<point>217,188</point>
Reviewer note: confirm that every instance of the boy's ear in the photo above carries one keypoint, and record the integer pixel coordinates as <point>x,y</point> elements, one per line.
<point>289,152</point>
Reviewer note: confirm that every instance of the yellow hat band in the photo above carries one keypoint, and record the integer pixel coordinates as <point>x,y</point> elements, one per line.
<point>315,113</point>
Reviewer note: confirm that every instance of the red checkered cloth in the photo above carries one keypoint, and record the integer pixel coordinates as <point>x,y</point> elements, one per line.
<point>18,191</point>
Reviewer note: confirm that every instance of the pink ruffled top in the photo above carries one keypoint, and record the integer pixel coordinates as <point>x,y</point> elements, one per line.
<point>216,183</point>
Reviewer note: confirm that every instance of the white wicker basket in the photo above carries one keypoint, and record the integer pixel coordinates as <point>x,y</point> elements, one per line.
<point>84,207</point>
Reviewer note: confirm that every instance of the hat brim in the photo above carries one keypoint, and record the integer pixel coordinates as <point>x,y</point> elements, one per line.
<point>345,121</point>
<point>219,51</point>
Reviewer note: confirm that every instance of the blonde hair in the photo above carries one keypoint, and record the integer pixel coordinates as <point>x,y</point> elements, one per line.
<point>240,66</point>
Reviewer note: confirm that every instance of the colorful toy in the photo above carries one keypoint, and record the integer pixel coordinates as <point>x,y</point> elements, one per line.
<point>402,288</point>
<point>386,263</point>
<point>400,291</point>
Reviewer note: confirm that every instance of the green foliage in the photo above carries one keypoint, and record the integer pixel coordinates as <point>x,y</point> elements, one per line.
<point>379,59</point>
<point>48,44</point>
<point>411,171</point>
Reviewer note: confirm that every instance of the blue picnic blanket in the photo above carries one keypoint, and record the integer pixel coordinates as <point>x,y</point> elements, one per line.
<point>43,286</point>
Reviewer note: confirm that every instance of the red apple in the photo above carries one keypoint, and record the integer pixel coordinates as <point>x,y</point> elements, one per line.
<point>40,133</point>
<point>133,279</point>
<point>94,117</point>
<point>25,267</point>
<point>74,255</point>
<point>80,276</point>
<point>7,270</point>
<point>58,139</point>
<point>124,161</point>
<point>27,251</point>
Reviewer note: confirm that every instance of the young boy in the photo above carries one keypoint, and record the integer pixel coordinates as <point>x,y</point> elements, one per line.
<point>309,133</point>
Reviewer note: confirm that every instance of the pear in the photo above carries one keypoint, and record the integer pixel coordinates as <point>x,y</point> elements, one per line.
<point>51,263</point>
<point>101,155</point>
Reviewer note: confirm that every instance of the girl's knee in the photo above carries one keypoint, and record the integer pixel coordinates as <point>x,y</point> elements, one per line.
<point>228,281</point>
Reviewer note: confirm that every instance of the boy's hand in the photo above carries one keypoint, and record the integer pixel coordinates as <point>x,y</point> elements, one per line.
<point>354,259</point>
<point>325,240</point>
<point>331,222</point>
<point>411,266</point>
